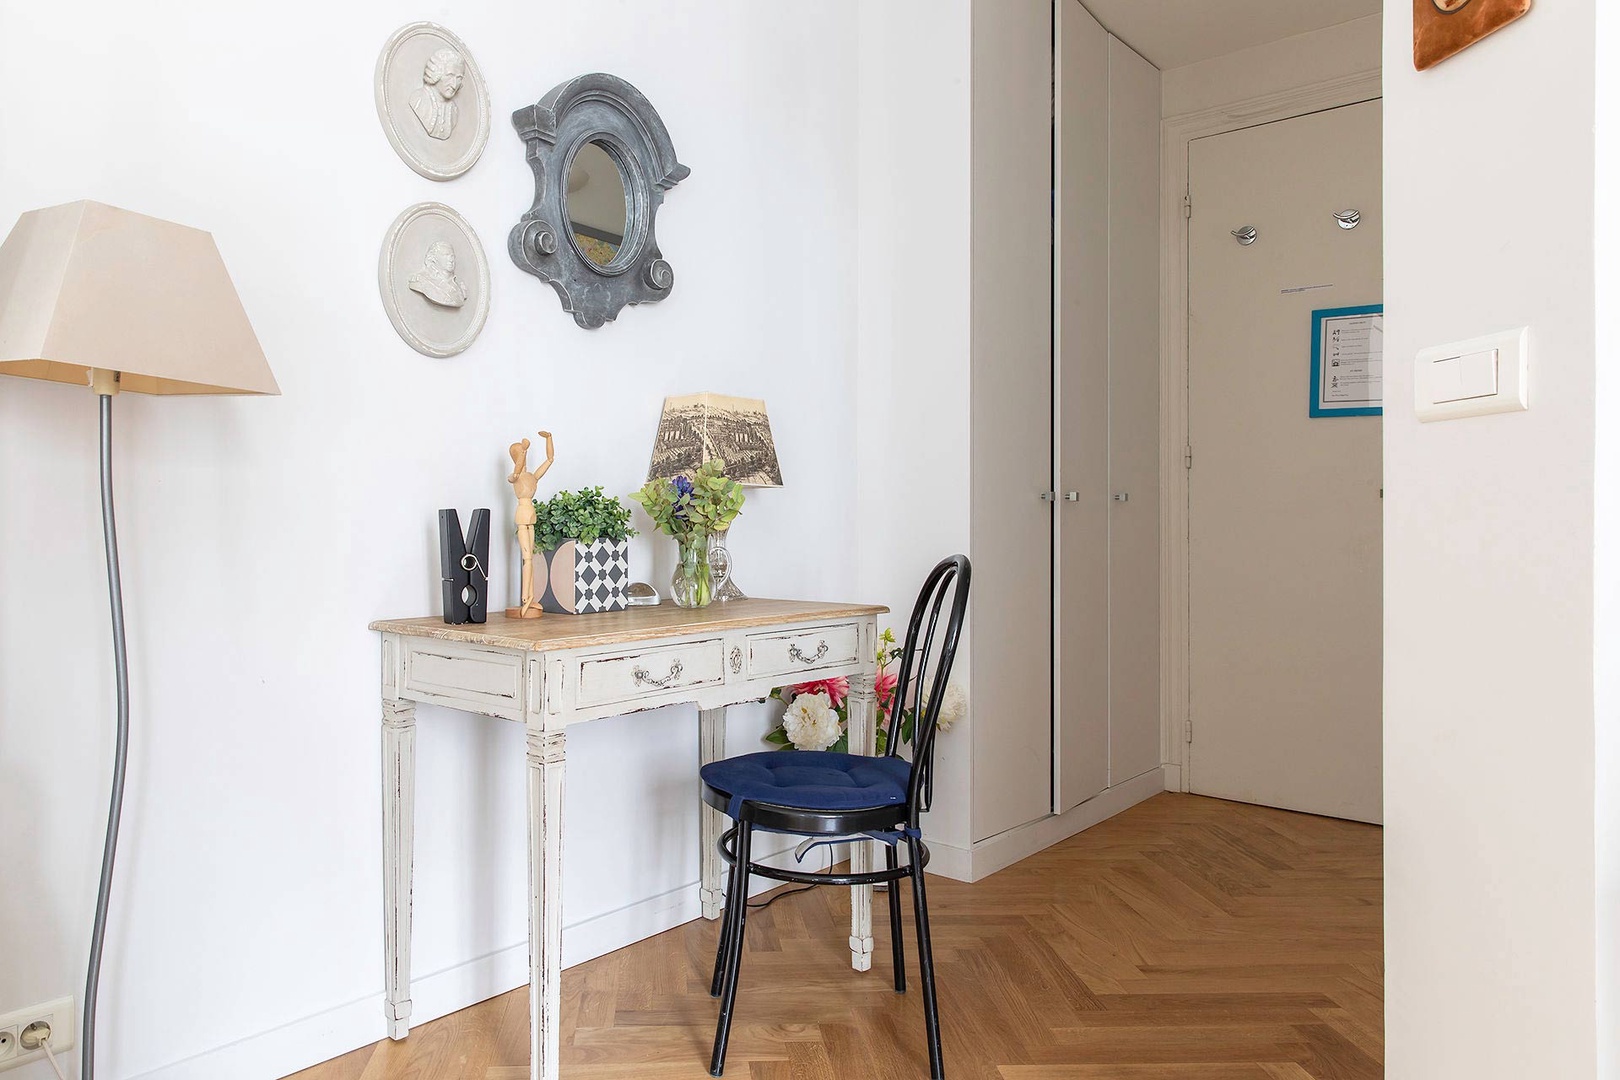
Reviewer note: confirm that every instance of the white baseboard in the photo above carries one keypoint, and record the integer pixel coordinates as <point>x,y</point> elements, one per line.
<point>327,1034</point>
<point>342,1028</point>
<point>1172,776</point>
<point>948,860</point>
<point>335,1031</point>
<point>1002,850</point>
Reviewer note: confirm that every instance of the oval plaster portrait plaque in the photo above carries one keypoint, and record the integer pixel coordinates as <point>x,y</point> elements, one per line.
<point>434,279</point>
<point>432,101</point>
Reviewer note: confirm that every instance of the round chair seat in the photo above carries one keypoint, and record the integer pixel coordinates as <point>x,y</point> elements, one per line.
<point>810,780</point>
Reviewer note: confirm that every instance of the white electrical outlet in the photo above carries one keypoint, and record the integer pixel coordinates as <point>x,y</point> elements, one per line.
<point>59,1014</point>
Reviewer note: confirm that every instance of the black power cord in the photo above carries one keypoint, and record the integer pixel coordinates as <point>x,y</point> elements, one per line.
<point>784,892</point>
<point>794,892</point>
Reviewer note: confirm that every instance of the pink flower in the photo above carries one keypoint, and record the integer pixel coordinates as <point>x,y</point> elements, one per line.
<point>886,682</point>
<point>835,689</point>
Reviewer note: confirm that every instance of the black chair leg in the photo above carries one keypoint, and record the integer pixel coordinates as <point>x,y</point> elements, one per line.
<point>725,928</point>
<point>896,933</point>
<point>925,958</point>
<point>734,948</point>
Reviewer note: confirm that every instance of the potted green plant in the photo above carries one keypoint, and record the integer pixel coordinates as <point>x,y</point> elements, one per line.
<point>691,509</point>
<point>584,538</point>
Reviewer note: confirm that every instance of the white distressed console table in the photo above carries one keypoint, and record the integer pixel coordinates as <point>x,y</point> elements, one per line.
<point>560,670</point>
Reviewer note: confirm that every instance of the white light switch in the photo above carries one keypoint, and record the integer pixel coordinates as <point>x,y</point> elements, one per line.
<point>1458,378</point>
<point>1472,378</point>
<point>1445,380</point>
<point>1479,373</point>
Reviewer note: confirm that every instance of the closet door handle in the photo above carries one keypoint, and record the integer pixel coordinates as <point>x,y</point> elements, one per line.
<point>1048,496</point>
<point>1071,496</point>
<point>1122,496</point>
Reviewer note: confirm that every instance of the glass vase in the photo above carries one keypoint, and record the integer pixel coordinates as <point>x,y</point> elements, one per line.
<point>698,577</point>
<point>720,564</point>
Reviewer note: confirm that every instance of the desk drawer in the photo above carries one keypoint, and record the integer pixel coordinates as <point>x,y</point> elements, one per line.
<point>479,680</point>
<point>647,673</point>
<point>802,650</point>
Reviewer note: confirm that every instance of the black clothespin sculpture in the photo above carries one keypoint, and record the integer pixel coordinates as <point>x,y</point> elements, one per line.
<point>463,564</point>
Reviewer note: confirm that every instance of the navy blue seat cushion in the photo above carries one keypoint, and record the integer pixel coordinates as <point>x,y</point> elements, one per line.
<point>810,779</point>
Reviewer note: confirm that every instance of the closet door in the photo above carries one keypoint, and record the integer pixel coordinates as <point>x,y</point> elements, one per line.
<point>1080,252</point>
<point>1011,233</point>
<point>1134,744</point>
<point>1107,393</point>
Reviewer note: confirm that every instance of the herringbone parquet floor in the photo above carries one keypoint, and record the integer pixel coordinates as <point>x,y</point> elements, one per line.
<point>1186,939</point>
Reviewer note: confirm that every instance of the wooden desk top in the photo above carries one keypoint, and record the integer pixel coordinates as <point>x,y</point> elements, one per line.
<point>615,627</point>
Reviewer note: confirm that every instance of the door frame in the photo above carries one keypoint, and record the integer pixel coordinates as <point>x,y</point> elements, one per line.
<point>1177,134</point>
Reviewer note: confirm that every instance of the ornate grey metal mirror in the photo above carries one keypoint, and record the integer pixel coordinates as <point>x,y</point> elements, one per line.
<point>602,160</point>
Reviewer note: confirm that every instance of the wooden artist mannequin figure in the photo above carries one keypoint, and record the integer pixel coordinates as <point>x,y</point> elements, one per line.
<point>524,485</point>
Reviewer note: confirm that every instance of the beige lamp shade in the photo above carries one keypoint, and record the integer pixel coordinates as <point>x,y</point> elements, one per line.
<point>86,286</point>
<point>697,427</point>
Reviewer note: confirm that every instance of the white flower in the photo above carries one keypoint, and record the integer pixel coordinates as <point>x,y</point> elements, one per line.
<point>810,722</point>
<point>952,706</point>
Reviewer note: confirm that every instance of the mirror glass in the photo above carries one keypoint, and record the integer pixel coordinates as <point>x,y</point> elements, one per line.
<point>596,204</point>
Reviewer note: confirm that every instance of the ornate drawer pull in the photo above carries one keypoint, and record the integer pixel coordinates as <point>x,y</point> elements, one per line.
<point>795,654</point>
<point>644,676</point>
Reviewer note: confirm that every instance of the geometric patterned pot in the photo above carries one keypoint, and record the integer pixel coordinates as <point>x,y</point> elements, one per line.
<point>581,579</point>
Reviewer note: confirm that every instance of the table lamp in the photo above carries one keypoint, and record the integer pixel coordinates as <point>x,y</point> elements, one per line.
<point>695,428</point>
<point>101,297</point>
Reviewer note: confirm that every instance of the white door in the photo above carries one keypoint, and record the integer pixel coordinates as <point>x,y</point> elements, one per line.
<point>1106,427</point>
<point>1135,745</point>
<point>1285,514</point>
<point>1080,616</point>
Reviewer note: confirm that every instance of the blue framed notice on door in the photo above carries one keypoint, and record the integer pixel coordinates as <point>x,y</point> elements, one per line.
<point>1347,361</point>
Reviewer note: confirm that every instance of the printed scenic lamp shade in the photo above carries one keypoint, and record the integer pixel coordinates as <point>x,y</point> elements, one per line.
<point>698,427</point>
<point>96,296</point>
<point>86,286</point>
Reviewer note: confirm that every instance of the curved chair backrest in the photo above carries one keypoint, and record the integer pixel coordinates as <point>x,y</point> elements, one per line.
<point>951,579</point>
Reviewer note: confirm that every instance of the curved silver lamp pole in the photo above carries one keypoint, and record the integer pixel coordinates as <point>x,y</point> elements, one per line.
<point>59,263</point>
<point>115,594</point>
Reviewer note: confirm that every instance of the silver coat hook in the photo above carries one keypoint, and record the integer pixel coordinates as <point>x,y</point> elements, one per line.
<point>1246,235</point>
<point>1348,219</point>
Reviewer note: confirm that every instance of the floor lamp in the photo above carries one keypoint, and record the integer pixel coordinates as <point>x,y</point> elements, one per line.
<point>95,296</point>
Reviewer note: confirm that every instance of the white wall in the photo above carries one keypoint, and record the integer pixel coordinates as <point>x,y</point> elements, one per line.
<point>261,536</point>
<point>1275,67</point>
<point>912,382</point>
<point>1606,543</point>
<point>1489,579</point>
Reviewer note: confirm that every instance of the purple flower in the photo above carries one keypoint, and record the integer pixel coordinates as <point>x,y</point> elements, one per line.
<point>683,487</point>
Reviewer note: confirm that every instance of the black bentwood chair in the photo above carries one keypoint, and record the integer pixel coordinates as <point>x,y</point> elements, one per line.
<point>844,795</point>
